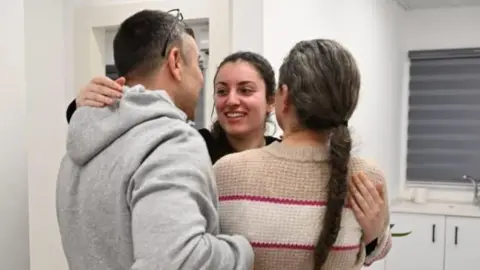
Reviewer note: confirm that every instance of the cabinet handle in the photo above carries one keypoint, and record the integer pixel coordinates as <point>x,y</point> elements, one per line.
<point>456,235</point>
<point>433,233</point>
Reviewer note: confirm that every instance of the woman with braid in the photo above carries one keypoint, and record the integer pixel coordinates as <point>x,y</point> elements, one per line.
<point>291,203</point>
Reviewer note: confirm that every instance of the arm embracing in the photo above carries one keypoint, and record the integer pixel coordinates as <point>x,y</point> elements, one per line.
<point>384,241</point>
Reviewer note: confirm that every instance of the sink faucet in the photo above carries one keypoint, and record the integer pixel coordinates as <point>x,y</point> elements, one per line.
<point>476,196</point>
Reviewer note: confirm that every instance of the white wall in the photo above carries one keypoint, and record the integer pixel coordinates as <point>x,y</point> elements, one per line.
<point>32,116</point>
<point>447,28</point>
<point>247,25</point>
<point>14,253</point>
<point>45,55</point>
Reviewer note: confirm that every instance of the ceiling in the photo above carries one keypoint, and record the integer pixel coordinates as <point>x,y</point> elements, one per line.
<point>424,4</point>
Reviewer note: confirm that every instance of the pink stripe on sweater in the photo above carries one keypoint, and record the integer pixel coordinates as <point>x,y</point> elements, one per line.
<point>273,200</point>
<point>302,247</point>
<point>263,222</point>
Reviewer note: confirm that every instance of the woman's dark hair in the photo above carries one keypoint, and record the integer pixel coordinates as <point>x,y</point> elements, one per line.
<point>265,70</point>
<point>323,86</point>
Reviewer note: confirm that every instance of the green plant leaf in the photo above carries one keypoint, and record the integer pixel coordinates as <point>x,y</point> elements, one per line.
<point>401,234</point>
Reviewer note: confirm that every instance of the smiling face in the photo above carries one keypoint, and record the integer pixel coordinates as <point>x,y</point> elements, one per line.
<point>240,99</point>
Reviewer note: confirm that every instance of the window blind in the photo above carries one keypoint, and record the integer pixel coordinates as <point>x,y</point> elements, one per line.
<point>444,115</point>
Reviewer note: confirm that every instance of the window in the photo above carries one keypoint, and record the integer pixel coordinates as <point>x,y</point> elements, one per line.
<point>444,116</point>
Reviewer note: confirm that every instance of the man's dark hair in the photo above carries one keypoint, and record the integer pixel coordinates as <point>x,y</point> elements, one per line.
<point>145,38</point>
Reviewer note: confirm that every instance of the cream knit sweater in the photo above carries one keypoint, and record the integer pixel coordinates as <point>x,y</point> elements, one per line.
<point>276,197</point>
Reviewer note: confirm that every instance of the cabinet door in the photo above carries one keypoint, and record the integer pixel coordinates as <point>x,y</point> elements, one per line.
<point>462,243</point>
<point>423,249</point>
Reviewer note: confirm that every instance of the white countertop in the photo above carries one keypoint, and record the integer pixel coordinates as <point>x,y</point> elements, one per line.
<point>435,208</point>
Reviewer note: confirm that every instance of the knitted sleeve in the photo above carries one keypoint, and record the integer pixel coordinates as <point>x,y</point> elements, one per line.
<point>384,242</point>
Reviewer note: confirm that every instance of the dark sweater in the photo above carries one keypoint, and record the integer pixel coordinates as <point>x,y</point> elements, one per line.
<point>215,151</point>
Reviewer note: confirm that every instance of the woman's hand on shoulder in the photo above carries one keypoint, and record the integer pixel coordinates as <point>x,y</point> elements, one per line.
<point>100,91</point>
<point>368,204</point>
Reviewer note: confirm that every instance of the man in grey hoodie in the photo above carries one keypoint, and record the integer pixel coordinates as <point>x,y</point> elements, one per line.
<point>135,189</point>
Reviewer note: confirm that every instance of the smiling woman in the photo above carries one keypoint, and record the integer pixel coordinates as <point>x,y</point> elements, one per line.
<point>242,100</point>
<point>244,90</point>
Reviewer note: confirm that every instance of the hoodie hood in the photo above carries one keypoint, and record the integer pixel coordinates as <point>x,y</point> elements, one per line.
<point>93,129</point>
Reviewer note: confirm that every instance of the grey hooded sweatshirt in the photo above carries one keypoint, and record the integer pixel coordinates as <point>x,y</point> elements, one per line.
<point>136,191</point>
